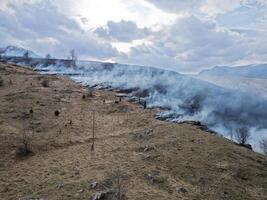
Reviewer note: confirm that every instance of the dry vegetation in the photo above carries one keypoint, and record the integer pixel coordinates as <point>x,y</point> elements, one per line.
<point>135,156</point>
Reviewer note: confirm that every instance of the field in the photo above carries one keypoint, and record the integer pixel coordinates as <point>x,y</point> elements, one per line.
<point>134,154</point>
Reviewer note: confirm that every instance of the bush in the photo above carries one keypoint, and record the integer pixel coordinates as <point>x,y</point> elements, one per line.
<point>56,113</point>
<point>45,83</point>
<point>23,148</point>
<point>90,93</point>
<point>1,82</point>
<point>119,184</point>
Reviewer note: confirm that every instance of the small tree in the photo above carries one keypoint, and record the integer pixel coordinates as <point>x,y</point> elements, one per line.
<point>93,131</point>
<point>23,148</point>
<point>26,55</point>
<point>263,145</point>
<point>119,184</point>
<point>47,56</point>
<point>47,59</point>
<point>73,57</point>
<point>242,135</point>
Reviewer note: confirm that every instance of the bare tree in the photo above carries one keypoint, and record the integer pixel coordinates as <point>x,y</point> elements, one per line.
<point>93,138</point>
<point>47,59</point>
<point>26,55</point>
<point>119,184</point>
<point>47,56</point>
<point>242,135</point>
<point>23,146</point>
<point>73,57</point>
<point>263,145</point>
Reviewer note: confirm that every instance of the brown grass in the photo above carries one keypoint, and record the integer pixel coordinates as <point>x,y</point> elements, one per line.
<point>63,166</point>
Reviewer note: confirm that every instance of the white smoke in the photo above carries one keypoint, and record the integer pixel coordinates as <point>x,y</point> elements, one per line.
<point>184,98</point>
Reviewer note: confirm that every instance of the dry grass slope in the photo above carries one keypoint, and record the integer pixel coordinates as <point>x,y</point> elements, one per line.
<point>156,159</point>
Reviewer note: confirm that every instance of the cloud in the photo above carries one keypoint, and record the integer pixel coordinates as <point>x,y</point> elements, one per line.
<point>191,44</point>
<point>184,36</point>
<point>177,6</point>
<point>123,31</point>
<point>36,23</point>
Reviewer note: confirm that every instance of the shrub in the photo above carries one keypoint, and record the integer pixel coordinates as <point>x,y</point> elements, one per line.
<point>90,93</point>
<point>119,184</point>
<point>1,82</point>
<point>56,113</point>
<point>23,148</point>
<point>45,83</point>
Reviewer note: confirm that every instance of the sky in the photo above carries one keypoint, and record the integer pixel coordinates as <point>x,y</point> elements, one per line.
<point>185,36</point>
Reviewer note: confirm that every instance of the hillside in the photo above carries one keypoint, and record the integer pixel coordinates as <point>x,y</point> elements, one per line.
<point>153,159</point>
<point>13,51</point>
<point>220,108</point>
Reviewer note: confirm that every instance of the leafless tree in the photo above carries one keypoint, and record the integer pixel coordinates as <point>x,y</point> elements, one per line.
<point>93,130</point>
<point>26,55</point>
<point>119,184</point>
<point>72,54</point>
<point>23,146</point>
<point>47,56</point>
<point>263,145</point>
<point>242,135</point>
<point>73,57</point>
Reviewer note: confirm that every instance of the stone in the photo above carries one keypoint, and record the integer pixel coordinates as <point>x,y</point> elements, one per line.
<point>93,185</point>
<point>182,190</point>
<point>80,191</point>
<point>99,196</point>
<point>59,185</point>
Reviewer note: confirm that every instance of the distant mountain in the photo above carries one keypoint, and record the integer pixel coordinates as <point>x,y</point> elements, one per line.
<point>13,51</point>
<point>251,79</point>
<point>249,71</point>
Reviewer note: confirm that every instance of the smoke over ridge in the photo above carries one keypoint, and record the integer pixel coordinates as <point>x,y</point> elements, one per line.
<point>184,98</point>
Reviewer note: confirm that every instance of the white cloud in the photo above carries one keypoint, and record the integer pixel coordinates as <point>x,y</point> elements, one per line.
<point>177,6</point>
<point>215,7</point>
<point>191,44</point>
<point>123,31</point>
<point>32,24</point>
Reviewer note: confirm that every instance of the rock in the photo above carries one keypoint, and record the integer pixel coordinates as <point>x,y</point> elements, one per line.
<point>148,148</point>
<point>93,185</point>
<point>155,178</point>
<point>148,132</point>
<point>59,185</point>
<point>80,191</point>
<point>99,196</point>
<point>147,156</point>
<point>182,190</point>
